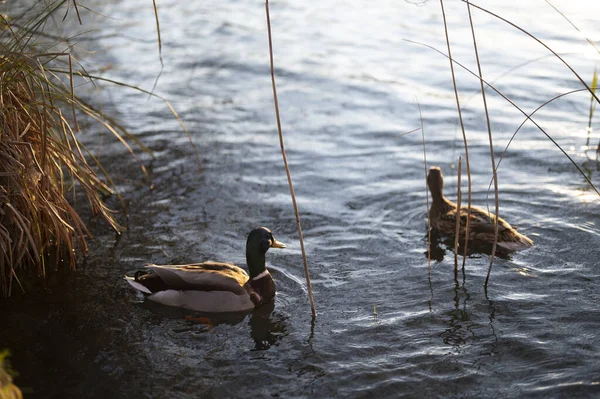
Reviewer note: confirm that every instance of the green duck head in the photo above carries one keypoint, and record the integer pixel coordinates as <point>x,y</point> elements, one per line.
<point>258,243</point>
<point>435,181</point>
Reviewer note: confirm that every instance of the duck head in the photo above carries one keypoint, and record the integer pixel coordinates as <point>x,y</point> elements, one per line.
<point>258,243</point>
<point>435,181</point>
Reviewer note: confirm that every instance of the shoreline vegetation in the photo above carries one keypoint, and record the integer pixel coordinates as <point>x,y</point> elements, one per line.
<point>8,390</point>
<point>43,162</point>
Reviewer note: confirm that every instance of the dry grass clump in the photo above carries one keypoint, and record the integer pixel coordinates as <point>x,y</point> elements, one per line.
<point>41,157</point>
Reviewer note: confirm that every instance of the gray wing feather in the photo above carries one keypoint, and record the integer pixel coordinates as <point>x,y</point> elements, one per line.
<point>207,276</point>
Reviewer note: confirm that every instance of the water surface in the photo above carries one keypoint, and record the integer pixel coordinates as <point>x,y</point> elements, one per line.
<point>350,80</point>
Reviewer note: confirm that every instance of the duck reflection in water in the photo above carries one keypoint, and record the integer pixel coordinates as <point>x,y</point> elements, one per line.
<point>460,327</point>
<point>468,321</point>
<point>440,244</point>
<point>266,328</point>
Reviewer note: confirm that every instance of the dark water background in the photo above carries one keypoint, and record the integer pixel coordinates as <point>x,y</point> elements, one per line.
<point>349,83</point>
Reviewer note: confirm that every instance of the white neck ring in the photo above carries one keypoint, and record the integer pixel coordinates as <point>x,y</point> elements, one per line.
<point>263,274</point>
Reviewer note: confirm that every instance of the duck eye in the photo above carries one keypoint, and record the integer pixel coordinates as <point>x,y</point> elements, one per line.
<point>265,245</point>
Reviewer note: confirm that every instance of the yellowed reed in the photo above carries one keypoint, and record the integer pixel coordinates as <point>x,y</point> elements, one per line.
<point>41,160</point>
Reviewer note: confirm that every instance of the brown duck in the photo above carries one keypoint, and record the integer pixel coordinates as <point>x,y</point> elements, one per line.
<point>481,224</point>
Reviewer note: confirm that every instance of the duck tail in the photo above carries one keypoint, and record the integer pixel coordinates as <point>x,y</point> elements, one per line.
<point>137,285</point>
<point>518,242</point>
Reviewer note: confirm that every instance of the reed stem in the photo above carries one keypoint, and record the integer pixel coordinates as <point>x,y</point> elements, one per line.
<point>492,156</point>
<point>426,195</point>
<point>462,126</point>
<point>457,232</point>
<point>287,169</point>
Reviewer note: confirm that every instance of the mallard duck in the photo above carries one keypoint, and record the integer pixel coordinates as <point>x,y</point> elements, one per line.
<point>213,286</point>
<point>442,215</point>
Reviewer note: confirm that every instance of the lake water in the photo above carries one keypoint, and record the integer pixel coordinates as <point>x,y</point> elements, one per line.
<point>351,80</point>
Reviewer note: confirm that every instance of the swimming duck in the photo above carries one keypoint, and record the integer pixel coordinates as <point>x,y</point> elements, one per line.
<point>442,215</point>
<point>213,286</point>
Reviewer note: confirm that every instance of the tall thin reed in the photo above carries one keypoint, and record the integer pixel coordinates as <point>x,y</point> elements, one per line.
<point>457,230</point>
<point>492,156</point>
<point>158,32</point>
<point>462,126</point>
<point>426,194</point>
<point>287,169</point>
<point>162,64</point>
<point>593,86</point>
